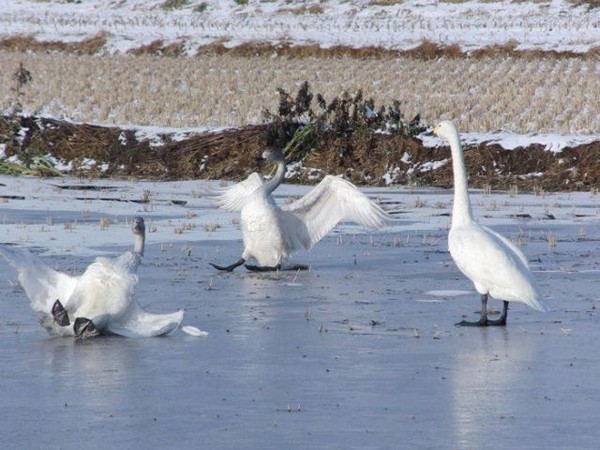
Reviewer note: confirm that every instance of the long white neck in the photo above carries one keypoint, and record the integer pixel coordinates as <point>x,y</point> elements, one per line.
<point>461,210</point>
<point>277,179</point>
<point>138,246</point>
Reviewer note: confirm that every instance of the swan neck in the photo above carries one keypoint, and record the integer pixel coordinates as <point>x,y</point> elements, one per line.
<point>138,246</point>
<point>461,209</point>
<point>277,179</point>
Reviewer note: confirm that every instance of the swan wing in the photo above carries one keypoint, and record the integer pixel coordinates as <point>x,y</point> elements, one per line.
<point>331,201</point>
<point>42,284</point>
<point>140,323</point>
<point>509,244</point>
<point>491,262</point>
<point>233,198</point>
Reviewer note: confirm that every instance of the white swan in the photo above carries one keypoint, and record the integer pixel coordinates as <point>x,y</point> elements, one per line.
<point>272,233</point>
<point>101,300</point>
<point>493,263</point>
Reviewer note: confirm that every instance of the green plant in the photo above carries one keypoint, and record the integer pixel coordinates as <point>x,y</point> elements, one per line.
<point>200,8</point>
<point>169,5</point>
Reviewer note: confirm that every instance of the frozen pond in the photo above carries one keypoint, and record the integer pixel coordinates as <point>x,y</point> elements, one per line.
<point>359,352</point>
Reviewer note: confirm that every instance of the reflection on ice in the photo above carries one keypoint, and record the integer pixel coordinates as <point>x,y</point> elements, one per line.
<point>97,370</point>
<point>488,384</point>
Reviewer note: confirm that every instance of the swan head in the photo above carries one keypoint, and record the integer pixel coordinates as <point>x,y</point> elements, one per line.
<point>138,226</point>
<point>445,129</point>
<point>271,154</point>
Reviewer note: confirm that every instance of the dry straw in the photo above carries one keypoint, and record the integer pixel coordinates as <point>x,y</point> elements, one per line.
<point>488,93</point>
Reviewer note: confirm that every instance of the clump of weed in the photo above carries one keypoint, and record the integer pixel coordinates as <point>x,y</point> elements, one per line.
<point>22,77</point>
<point>19,140</point>
<point>345,127</point>
<point>201,7</point>
<point>170,5</point>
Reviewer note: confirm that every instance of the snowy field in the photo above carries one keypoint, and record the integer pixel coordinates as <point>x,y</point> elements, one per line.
<point>533,95</point>
<point>359,352</point>
<point>541,25</point>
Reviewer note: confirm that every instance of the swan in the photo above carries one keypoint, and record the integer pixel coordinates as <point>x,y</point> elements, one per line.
<point>101,300</point>
<point>272,233</point>
<point>495,265</point>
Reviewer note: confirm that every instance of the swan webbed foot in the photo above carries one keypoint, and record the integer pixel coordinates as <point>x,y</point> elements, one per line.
<point>485,322</point>
<point>85,328</point>
<point>230,267</point>
<point>482,322</point>
<point>60,315</point>
<point>296,267</point>
<point>253,268</point>
<point>279,267</point>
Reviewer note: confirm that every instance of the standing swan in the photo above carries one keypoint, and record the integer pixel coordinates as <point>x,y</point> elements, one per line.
<point>493,263</point>
<point>273,233</point>
<point>101,300</point>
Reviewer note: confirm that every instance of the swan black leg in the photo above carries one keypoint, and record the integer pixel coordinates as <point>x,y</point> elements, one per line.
<point>85,328</point>
<point>60,315</point>
<point>501,321</point>
<point>230,267</point>
<point>483,320</point>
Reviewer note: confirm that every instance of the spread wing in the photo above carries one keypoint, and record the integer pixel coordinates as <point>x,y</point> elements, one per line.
<point>42,284</point>
<point>233,198</point>
<point>334,200</point>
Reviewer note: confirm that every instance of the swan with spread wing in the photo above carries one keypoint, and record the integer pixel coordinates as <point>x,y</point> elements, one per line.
<point>273,233</point>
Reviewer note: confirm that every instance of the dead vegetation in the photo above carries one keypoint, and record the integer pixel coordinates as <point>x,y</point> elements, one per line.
<point>25,43</point>
<point>364,159</point>
<point>426,50</point>
<point>482,95</point>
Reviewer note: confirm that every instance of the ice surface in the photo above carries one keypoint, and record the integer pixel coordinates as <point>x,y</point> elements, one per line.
<point>351,354</point>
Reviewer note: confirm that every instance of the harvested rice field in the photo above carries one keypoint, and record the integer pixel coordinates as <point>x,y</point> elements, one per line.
<point>525,95</point>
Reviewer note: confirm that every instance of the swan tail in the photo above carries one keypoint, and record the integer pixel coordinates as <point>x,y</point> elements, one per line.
<point>534,303</point>
<point>140,323</point>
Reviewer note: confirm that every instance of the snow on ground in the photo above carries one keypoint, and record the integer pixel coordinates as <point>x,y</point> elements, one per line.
<point>81,217</point>
<point>556,24</point>
<point>509,141</point>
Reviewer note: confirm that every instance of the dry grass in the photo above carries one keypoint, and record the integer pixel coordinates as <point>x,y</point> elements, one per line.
<point>526,95</point>
<point>231,154</point>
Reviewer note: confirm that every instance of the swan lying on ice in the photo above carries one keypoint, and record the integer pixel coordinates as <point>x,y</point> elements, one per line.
<point>273,233</point>
<point>493,263</point>
<point>99,301</point>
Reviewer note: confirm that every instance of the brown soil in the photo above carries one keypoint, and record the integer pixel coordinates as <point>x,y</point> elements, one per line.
<point>425,50</point>
<point>364,159</point>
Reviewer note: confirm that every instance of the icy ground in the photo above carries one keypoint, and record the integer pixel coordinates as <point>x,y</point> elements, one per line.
<point>360,352</point>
